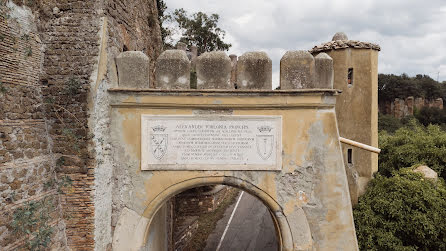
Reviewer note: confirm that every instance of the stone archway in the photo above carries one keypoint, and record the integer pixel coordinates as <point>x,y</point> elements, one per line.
<point>286,152</point>
<point>138,239</point>
<point>307,184</point>
<point>282,224</point>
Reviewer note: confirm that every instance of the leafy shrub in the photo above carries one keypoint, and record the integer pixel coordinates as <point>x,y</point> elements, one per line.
<point>403,212</point>
<point>410,145</point>
<point>431,115</point>
<point>388,123</point>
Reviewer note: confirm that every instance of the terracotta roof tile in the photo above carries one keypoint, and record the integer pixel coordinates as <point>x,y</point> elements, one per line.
<point>342,44</point>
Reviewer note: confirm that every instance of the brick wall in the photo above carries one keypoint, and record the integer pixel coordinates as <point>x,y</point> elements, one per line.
<point>26,163</point>
<point>196,202</point>
<point>69,31</point>
<point>133,25</point>
<point>48,65</point>
<point>184,233</point>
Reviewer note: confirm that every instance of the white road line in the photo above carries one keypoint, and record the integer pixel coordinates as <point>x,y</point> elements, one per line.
<point>229,222</point>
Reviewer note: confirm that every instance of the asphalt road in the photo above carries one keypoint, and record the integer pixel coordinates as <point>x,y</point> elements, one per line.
<point>251,228</point>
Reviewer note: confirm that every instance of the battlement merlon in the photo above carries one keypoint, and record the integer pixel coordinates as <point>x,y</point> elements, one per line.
<point>216,70</point>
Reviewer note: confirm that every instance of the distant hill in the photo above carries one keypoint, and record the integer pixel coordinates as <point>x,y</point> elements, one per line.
<point>392,86</point>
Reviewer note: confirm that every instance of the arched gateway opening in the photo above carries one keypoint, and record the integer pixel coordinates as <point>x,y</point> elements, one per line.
<point>215,217</point>
<point>280,224</point>
<point>281,146</point>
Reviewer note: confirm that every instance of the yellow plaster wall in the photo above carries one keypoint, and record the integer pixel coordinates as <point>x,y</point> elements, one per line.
<point>357,106</point>
<point>309,196</point>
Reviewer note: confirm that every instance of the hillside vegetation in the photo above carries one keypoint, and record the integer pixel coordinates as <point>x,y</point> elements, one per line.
<point>402,210</point>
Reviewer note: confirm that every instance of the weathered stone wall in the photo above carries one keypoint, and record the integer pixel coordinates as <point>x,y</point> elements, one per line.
<point>400,107</point>
<point>69,31</point>
<point>133,25</point>
<point>130,25</point>
<point>198,202</point>
<point>59,63</point>
<point>27,177</point>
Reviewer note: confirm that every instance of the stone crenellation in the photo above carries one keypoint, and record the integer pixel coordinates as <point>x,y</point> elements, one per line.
<point>136,63</point>
<point>216,70</point>
<point>254,71</point>
<point>173,70</point>
<point>213,71</point>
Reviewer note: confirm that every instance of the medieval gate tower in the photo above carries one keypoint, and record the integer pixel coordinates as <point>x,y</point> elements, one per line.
<point>356,75</point>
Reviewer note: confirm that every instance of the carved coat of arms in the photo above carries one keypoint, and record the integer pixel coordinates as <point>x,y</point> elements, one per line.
<point>158,142</point>
<point>265,142</point>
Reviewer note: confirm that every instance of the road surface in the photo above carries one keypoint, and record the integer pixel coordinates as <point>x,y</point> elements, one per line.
<point>251,228</point>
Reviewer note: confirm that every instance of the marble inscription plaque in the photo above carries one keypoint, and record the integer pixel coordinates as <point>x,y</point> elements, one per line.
<point>211,142</point>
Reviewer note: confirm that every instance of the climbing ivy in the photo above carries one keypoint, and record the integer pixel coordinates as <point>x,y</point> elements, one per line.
<point>28,51</point>
<point>2,87</point>
<point>33,219</point>
<point>72,86</point>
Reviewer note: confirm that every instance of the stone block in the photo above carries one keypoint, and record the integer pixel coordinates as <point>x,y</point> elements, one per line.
<point>133,70</point>
<point>181,46</point>
<point>172,70</point>
<point>129,221</point>
<point>426,172</point>
<point>214,71</point>
<point>297,70</point>
<point>324,71</point>
<point>339,36</point>
<point>254,71</point>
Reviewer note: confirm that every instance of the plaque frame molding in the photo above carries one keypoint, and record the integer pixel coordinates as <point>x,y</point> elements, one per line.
<point>144,141</point>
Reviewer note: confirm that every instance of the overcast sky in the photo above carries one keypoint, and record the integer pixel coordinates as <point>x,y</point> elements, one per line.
<point>411,33</point>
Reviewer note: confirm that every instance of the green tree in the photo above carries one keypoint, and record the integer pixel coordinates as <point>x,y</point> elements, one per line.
<point>402,212</point>
<point>199,29</point>
<point>431,88</point>
<point>388,123</point>
<point>392,86</point>
<point>411,145</point>
<point>431,115</point>
<point>162,18</point>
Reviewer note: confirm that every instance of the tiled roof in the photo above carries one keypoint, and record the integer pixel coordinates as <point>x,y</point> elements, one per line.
<point>343,44</point>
